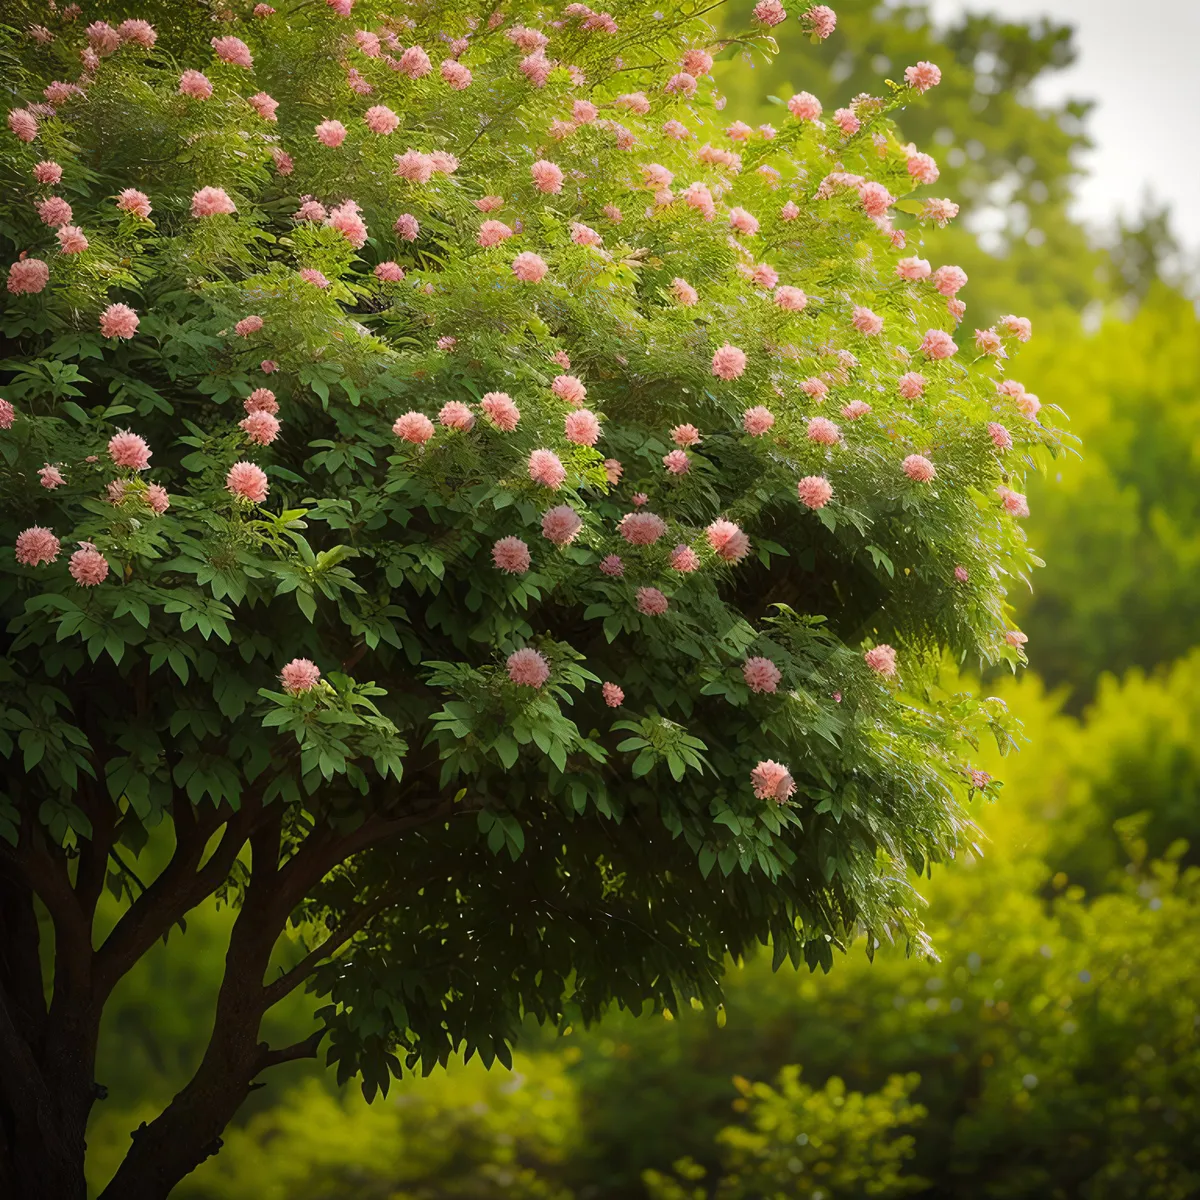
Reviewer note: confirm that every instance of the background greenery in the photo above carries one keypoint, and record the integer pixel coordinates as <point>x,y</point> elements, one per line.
<point>1054,1050</point>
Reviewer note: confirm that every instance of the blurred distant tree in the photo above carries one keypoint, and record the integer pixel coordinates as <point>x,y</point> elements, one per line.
<point>1009,162</point>
<point>1119,527</point>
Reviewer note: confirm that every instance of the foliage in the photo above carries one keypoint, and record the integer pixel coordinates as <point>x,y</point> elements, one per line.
<point>1121,526</point>
<point>1056,1040</point>
<point>461,845</point>
<point>1010,161</point>
<point>803,1141</point>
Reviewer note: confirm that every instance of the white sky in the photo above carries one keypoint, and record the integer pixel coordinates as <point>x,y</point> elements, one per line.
<point>1140,61</point>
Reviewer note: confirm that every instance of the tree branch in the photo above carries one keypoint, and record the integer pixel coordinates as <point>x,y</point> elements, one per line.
<point>291,979</point>
<point>297,1050</point>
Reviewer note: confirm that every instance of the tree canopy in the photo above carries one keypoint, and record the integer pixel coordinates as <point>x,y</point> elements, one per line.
<point>500,520</point>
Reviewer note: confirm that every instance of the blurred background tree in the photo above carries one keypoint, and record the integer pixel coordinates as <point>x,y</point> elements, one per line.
<point>1056,1045</point>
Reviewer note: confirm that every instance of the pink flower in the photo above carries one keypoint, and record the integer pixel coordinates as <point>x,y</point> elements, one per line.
<point>511,555</point>
<point>761,674</point>
<point>407,227</point>
<point>561,524</point>
<point>584,235</point>
<point>529,267</point>
<point>116,492</point>
<point>739,131</point>
<point>261,400</point>
<point>103,38</point>
<point>988,341</point>
<point>536,67</point>
<point>8,414</point>
<point>676,130</point>
<point>139,33</point>
<point>546,468</point>
<point>651,602</point>
<point>876,199</point>
<point>911,385</point>
<point>769,12</point>
<point>918,468</point>
<point>341,7</point>
<point>50,477</point>
<point>641,528</point>
<point>640,499</point>
<point>979,779</point>
<point>789,212</point>
<point>260,427</point>
<point>119,321</point>
<point>128,450</point>
<point>414,166</point>
<point>922,168</point>
<point>233,51</point>
<point>1014,637</point>
<point>54,211</point>
<point>1000,436</point>
<point>855,409</point>
<point>940,212</point>
<point>684,559</point>
<point>413,427</point>
<point>696,62</point>
<point>956,308</point>
<point>815,491</point>
<point>492,233</point>
<point>728,362</point>
<point>88,567</point>
<point>791,299</point>
<point>36,545</point>
<point>612,565</point>
<point>866,322</point>
<point>922,76</point>
<point>528,668</point>
<point>23,123</point>
<point>949,280</point>
<point>313,276</point>
<point>1014,503</point>
<point>1029,404</point>
<point>414,63</point>
<point>582,428</point>
<point>157,499</point>
<point>456,75</point>
<point>961,575</point>
<point>685,435</point>
<point>196,85</point>
<point>614,697</point>
<point>683,292</point>
<point>613,213</point>
<point>248,325</point>
<point>547,176</point>
<point>740,221</point>
<point>677,462</point>
<point>816,388</point>
<point>247,480</point>
<point>938,344</point>
<point>381,120</point>
<point>447,344</point>
<point>132,201</point>
<point>913,269</point>
<point>824,432</point>
<point>263,105</point>
<point>346,220</point>
<point>72,240</point>
<point>456,415</point>
<point>1019,327</point>
<point>28,275</point>
<point>681,83</point>
<point>489,203</point>
<point>330,133</point>
<point>47,172</point>
<point>262,11</point>
<point>820,21</point>
<point>727,540</point>
<point>764,276</point>
<point>881,659</point>
<point>389,272</point>
<point>846,121</point>
<point>804,106</point>
<point>501,411</point>
<point>268,366</point>
<point>212,202</point>
<point>772,781</point>
<point>300,675</point>
<point>613,471</point>
<point>757,420</point>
